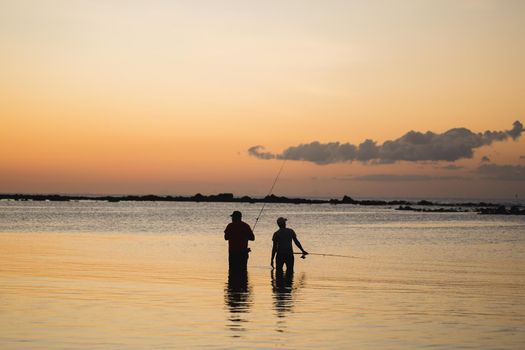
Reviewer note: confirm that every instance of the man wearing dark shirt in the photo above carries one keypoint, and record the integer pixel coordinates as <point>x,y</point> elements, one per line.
<point>282,246</point>
<point>238,233</point>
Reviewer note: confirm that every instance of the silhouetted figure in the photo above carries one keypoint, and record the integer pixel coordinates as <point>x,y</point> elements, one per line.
<point>238,298</point>
<point>282,246</point>
<point>238,233</point>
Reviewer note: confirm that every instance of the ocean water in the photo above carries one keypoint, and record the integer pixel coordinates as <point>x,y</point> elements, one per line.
<point>146,275</point>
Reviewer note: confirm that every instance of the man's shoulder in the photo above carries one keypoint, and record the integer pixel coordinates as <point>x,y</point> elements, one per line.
<point>245,225</point>
<point>289,233</point>
<point>283,231</point>
<point>239,226</point>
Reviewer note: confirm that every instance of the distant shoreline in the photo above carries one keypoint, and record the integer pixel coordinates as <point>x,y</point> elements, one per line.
<point>230,198</point>
<point>405,205</point>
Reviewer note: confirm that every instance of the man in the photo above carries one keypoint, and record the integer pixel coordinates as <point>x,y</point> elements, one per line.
<point>282,246</point>
<point>238,233</point>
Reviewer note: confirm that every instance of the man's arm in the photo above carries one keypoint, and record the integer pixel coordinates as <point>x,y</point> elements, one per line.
<point>274,251</point>
<point>227,233</point>
<point>251,236</point>
<point>298,244</point>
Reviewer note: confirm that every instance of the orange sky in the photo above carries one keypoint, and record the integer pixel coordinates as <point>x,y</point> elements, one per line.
<point>166,97</point>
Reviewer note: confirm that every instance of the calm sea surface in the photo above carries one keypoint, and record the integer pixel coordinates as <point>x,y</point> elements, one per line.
<point>97,275</point>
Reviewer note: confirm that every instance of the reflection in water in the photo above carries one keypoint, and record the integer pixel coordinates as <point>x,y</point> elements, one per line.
<point>284,293</point>
<point>238,299</point>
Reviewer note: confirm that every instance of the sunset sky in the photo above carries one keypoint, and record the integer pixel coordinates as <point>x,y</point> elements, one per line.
<point>168,97</point>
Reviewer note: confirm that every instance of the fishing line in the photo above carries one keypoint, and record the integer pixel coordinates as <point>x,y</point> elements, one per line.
<point>335,255</point>
<point>269,193</point>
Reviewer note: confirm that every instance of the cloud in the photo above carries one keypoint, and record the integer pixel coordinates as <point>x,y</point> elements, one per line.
<point>402,178</point>
<point>414,146</point>
<point>332,152</point>
<point>485,159</point>
<point>501,172</point>
<point>256,152</point>
<point>451,167</point>
<point>522,157</point>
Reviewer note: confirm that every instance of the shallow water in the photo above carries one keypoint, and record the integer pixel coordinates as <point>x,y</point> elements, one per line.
<point>96,275</point>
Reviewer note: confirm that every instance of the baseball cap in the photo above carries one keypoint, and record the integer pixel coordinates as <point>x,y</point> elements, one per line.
<point>281,220</point>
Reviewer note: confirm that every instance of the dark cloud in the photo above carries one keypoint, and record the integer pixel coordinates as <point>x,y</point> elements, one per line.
<point>485,159</point>
<point>451,145</point>
<point>404,177</point>
<point>522,157</point>
<point>332,152</point>
<point>256,152</point>
<point>501,172</point>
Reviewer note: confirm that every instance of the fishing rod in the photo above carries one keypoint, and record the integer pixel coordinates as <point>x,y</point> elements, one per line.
<point>269,193</point>
<point>303,256</point>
